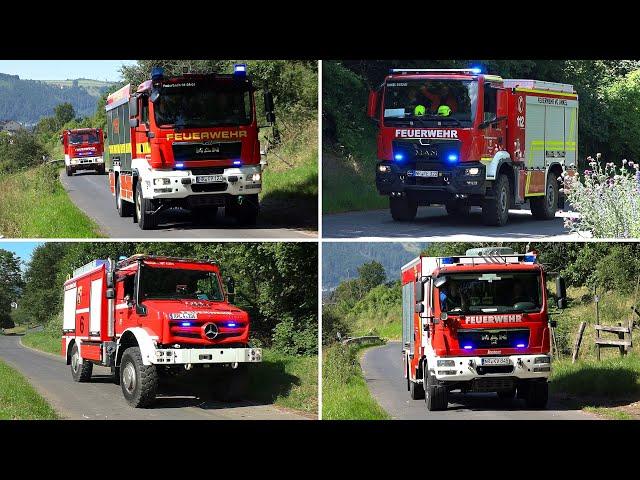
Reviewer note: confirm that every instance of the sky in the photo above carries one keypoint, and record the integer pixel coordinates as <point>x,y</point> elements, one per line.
<point>108,70</point>
<point>21,249</point>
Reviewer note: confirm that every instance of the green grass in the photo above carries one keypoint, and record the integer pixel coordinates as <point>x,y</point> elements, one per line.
<point>611,377</point>
<point>345,395</point>
<point>287,381</point>
<point>17,330</point>
<point>34,204</point>
<point>44,341</point>
<point>610,413</point>
<point>18,399</point>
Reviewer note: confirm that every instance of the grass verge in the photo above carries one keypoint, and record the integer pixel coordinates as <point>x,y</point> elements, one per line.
<point>43,341</point>
<point>345,395</point>
<point>17,330</point>
<point>34,204</point>
<point>18,399</point>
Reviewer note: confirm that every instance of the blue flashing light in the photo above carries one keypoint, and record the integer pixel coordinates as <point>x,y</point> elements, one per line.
<point>237,162</point>
<point>157,73</point>
<point>468,347</point>
<point>530,258</point>
<point>398,157</point>
<point>185,324</point>
<point>447,261</point>
<point>179,165</point>
<point>453,157</point>
<point>476,70</point>
<point>232,324</point>
<point>240,70</point>
<point>520,345</point>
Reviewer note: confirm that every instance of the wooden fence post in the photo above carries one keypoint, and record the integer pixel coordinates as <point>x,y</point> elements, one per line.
<point>576,346</point>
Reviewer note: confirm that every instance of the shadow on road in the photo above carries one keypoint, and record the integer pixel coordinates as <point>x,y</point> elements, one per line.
<point>490,402</point>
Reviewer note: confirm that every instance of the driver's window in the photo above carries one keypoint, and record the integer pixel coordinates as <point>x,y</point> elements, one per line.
<point>490,102</point>
<point>144,109</point>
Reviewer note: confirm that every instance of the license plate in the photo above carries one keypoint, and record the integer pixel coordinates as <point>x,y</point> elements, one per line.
<point>496,361</point>
<point>209,178</point>
<point>426,173</point>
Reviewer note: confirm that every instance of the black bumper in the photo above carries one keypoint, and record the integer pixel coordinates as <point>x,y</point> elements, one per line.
<point>451,181</point>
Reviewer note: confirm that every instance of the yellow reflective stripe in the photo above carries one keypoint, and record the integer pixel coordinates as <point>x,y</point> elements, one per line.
<point>144,147</point>
<point>120,148</point>
<point>486,160</point>
<point>547,92</point>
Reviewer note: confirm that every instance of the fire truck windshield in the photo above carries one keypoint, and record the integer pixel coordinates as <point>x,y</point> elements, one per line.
<point>83,138</point>
<point>203,106</point>
<point>431,101</point>
<point>178,284</point>
<point>491,292</point>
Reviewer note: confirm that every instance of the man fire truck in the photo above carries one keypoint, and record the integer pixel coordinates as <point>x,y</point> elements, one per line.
<point>462,138</point>
<point>83,150</point>
<point>477,323</point>
<point>189,141</point>
<point>149,316</point>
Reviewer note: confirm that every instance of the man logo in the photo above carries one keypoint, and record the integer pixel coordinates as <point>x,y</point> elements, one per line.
<point>210,330</point>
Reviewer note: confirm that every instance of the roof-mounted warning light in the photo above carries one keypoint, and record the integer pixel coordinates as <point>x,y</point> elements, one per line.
<point>240,70</point>
<point>448,261</point>
<point>157,73</point>
<point>474,71</point>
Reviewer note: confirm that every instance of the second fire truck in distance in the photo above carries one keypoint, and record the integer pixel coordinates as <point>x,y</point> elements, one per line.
<point>461,138</point>
<point>187,141</point>
<point>83,150</point>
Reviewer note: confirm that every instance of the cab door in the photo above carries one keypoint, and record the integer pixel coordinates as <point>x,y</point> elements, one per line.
<point>124,310</point>
<point>494,134</point>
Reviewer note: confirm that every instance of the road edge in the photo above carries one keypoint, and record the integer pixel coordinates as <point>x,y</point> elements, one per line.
<point>102,229</point>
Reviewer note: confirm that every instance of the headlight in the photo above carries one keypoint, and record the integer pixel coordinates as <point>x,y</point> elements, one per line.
<point>472,171</point>
<point>256,177</point>
<point>384,168</point>
<point>446,363</point>
<point>545,359</point>
<point>161,181</point>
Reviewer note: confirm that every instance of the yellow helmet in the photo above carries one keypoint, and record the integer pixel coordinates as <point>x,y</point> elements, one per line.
<point>444,110</point>
<point>419,110</point>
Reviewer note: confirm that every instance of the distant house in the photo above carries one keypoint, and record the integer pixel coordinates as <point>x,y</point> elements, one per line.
<point>10,126</point>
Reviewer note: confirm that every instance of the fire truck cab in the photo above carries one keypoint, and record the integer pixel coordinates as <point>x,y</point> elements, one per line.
<point>83,150</point>
<point>461,138</point>
<point>477,323</point>
<point>149,316</point>
<point>188,141</point>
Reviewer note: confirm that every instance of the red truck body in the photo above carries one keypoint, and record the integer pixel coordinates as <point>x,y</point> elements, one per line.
<point>83,150</point>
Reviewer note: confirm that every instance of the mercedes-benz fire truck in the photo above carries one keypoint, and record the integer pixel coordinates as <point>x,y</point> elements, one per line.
<point>83,150</point>
<point>188,141</point>
<point>150,316</point>
<point>461,138</point>
<point>477,323</point>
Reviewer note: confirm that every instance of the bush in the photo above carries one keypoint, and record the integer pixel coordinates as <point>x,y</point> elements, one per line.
<point>19,151</point>
<point>295,337</point>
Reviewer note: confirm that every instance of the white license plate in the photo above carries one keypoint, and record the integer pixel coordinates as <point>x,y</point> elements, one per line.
<point>426,173</point>
<point>496,361</point>
<point>209,179</point>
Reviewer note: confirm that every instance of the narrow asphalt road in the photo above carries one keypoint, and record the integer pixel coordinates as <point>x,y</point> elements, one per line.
<point>90,193</point>
<point>101,399</point>
<point>435,224</point>
<point>382,368</point>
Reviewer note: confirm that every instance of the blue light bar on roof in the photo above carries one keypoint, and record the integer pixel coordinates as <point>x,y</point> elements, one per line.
<point>240,70</point>
<point>476,70</point>
<point>447,261</point>
<point>157,73</point>
<point>529,258</point>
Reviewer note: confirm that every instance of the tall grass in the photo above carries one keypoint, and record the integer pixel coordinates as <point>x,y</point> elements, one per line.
<point>19,400</point>
<point>34,204</point>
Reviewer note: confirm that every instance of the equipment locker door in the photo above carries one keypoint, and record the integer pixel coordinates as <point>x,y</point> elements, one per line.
<point>95,309</point>
<point>408,309</point>
<point>69,312</point>
<point>554,148</point>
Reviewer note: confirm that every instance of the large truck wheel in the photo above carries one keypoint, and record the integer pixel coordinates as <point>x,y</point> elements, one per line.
<point>403,209</point>
<point>81,372</point>
<point>436,396</point>
<point>544,207</point>
<point>537,394</point>
<point>495,211</point>
<point>457,208</point>
<point>69,171</point>
<point>139,382</point>
<point>101,170</point>
<point>146,220</point>
<point>124,207</point>
<point>416,390</point>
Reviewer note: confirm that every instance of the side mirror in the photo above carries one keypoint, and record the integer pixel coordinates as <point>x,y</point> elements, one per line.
<point>269,107</point>
<point>110,293</point>
<point>561,293</point>
<point>439,281</point>
<point>141,309</point>
<point>419,308</point>
<point>133,107</point>
<point>110,280</point>
<point>372,104</point>
<point>231,290</point>
<point>133,122</point>
<point>419,291</point>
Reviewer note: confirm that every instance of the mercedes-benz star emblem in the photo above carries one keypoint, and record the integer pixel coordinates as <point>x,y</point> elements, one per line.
<point>210,330</point>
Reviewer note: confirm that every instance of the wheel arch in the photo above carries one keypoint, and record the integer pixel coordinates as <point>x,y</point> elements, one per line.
<point>136,337</point>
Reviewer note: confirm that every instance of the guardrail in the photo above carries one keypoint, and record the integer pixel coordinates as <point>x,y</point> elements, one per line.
<point>367,338</point>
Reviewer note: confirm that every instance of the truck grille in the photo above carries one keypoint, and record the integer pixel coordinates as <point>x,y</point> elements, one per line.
<point>492,384</point>
<point>190,151</point>
<point>207,170</point>
<point>430,155</point>
<point>507,338</point>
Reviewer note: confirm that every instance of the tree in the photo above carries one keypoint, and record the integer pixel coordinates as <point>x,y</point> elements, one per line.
<point>10,285</point>
<point>64,113</point>
<point>371,275</point>
<point>623,100</point>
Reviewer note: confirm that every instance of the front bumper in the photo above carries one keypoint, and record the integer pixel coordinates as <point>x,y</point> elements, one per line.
<point>470,368</point>
<point>86,162</point>
<point>183,356</point>
<point>181,184</point>
<point>393,179</point>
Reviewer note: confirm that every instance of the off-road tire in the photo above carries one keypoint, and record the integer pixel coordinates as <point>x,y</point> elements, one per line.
<point>145,220</point>
<point>416,390</point>
<point>69,171</point>
<point>125,209</point>
<point>139,391</point>
<point>495,211</point>
<point>80,372</point>
<point>537,395</point>
<point>403,209</point>
<point>544,207</point>
<point>436,396</point>
<point>101,170</point>
<point>456,208</point>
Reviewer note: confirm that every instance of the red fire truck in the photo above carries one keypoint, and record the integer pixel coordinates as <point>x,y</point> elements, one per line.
<point>83,150</point>
<point>150,316</point>
<point>188,141</point>
<point>477,323</point>
<point>462,138</point>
